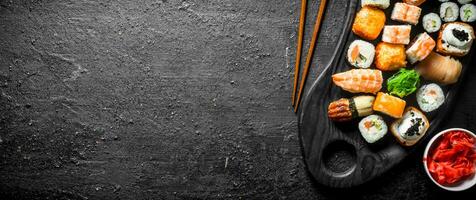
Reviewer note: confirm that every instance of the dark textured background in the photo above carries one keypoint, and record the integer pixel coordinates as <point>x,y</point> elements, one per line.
<point>168,99</point>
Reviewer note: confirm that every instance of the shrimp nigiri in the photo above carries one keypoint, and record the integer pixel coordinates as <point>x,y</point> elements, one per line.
<point>359,80</point>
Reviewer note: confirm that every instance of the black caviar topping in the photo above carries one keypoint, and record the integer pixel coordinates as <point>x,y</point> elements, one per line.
<point>414,129</point>
<point>461,35</point>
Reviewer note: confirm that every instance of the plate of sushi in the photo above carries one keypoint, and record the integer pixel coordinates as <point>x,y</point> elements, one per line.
<point>393,76</point>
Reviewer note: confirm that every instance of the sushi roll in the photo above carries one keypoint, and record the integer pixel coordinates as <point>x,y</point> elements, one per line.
<point>361,54</point>
<point>414,2</point>
<point>431,22</point>
<point>388,104</point>
<point>420,48</point>
<point>372,128</point>
<point>346,109</point>
<point>464,1</point>
<point>411,127</point>
<point>397,34</point>
<point>368,23</point>
<point>455,39</point>
<point>406,13</point>
<point>467,13</point>
<point>430,97</point>
<point>359,80</point>
<point>449,11</point>
<point>383,4</point>
<point>389,57</point>
<point>441,69</point>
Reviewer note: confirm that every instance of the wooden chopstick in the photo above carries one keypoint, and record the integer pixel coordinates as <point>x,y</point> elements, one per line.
<point>302,21</point>
<point>310,52</point>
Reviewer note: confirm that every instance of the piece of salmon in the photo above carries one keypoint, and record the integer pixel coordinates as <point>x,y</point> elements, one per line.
<point>359,80</point>
<point>390,105</point>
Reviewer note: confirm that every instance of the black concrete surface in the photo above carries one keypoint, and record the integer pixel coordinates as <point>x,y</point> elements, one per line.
<point>168,99</point>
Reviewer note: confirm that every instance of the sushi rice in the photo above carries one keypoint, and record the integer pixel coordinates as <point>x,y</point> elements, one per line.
<point>449,11</point>
<point>383,4</point>
<point>372,128</point>
<point>361,54</point>
<point>431,22</point>
<point>430,97</point>
<point>464,1</point>
<point>467,13</point>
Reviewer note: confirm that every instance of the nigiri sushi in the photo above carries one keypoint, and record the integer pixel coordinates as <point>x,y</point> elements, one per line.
<point>361,54</point>
<point>390,105</point>
<point>455,39</point>
<point>420,48</point>
<point>441,69</point>
<point>406,13</point>
<point>359,80</point>
<point>396,34</point>
<point>346,109</point>
<point>368,23</point>
<point>414,2</point>
<point>389,57</point>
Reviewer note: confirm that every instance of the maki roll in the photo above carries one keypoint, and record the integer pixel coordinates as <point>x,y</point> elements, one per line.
<point>396,34</point>
<point>467,13</point>
<point>431,22</point>
<point>449,11</point>
<point>406,13</point>
<point>389,57</point>
<point>464,1</point>
<point>455,39</point>
<point>430,97</point>
<point>369,22</point>
<point>361,54</point>
<point>411,127</point>
<point>383,4</point>
<point>372,128</point>
<point>420,48</point>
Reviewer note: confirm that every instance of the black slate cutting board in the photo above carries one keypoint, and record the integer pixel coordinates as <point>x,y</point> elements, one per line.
<point>335,153</point>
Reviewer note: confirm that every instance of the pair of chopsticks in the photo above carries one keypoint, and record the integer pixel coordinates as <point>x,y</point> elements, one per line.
<point>310,52</point>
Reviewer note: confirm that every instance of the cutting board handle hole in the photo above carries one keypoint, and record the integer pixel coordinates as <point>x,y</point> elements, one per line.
<point>339,158</point>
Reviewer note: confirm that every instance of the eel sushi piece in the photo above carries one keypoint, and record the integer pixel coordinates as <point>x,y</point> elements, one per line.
<point>359,80</point>
<point>346,109</point>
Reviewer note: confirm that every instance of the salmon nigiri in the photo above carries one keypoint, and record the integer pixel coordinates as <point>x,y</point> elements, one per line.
<point>359,80</point>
